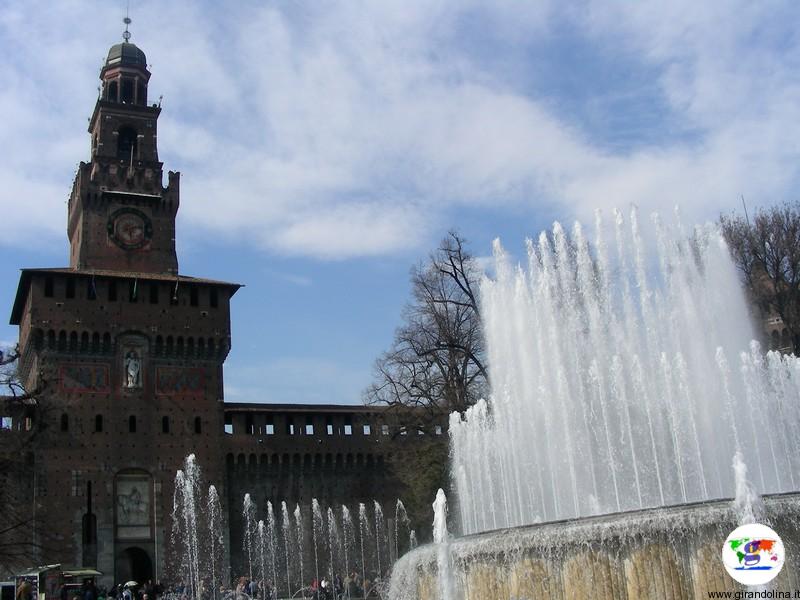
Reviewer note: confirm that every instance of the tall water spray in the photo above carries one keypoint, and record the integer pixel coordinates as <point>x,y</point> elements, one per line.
<point>615,387</point>
<point>317,532</point>
<point>272,542</point>
<point>298,522</point>
<point>216,540</point>
<point>349,537</point>
<point>401,522</point>
<point>441,539</point>
<point>333,543</point>
<point>250,525</point>
<point>286,527</point>
<point>184,524</point>
<point>363,530</point>
<point>261,552</point>
<point>380,536</point>
<point>197,543</point>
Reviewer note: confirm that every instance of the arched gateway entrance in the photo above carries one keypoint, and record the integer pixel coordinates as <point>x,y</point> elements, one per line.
<point>134,564</point>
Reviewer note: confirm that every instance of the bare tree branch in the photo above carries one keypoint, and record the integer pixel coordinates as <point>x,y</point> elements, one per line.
<point>436,363</point>
<point>767,252</point>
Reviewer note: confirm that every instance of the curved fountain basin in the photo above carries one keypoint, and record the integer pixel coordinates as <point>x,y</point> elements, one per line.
<point>661,553</point>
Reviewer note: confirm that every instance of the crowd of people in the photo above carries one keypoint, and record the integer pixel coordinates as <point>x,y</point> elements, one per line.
<point>337,588</point>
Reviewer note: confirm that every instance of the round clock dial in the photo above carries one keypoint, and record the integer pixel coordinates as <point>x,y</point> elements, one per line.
<point>129,228</point>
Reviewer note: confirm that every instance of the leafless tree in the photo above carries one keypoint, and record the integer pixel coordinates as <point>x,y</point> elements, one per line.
<point>436,363</point>
<point>766,248</point>
<point>20,430</point>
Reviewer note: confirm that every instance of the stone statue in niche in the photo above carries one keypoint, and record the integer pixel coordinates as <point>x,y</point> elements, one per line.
<point>133,370</point>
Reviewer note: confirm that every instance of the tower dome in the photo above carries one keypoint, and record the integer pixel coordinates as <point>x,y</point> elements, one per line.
<point>126,54</point>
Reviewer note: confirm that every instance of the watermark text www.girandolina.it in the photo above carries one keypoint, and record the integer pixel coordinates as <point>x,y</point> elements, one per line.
<point>745,594</point>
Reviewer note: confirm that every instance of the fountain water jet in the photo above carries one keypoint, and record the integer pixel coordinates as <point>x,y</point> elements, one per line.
<point>272,541</point>
<point>601,383</point>
<point>298,520</point>
<point>249,511</point>
<point>286,528</point>
<point>217,539</point>
<point>198,540</point>
<point>363,527</point>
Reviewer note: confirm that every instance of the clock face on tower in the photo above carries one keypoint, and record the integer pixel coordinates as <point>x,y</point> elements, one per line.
<point>129,228</point>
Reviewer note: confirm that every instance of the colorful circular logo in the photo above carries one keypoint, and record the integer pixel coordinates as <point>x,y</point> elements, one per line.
<point>753,554</point>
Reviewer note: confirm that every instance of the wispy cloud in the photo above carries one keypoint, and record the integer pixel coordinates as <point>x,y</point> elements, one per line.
<point>356,129</point>
<point>293,278</point>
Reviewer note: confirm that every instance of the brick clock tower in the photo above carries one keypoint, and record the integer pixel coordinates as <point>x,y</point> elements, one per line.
<point>127,353</point>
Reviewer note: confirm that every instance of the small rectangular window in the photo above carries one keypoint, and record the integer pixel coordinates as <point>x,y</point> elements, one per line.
<point>384,429</point>
<point>7,423</point>
<point>132,424</point>
<point>164,424</point>
<point>91,289</point>
<point>112,291</point>
<point>367,430</point>
<point>309,430</point>
<point>229,428</point>
<point>193,295</point>
<point>329,428</point>
<point>348,430</point>
<point>48,287</point>
<point>98,423</point>
<point>438,430</point>
<point>153,293</point>
<point>70,287</point>
<point>214,298</point>
<point>270,429</point>
<point>403,431</point>
<point>133,290</point>
<point>291,428</point>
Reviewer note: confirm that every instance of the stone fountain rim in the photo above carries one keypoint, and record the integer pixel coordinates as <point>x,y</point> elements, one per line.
<point>721,505</point>
<point>595,529</point>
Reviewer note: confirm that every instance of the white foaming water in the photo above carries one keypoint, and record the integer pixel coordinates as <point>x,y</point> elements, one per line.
<point>440,538</point>
<point>614,389</point>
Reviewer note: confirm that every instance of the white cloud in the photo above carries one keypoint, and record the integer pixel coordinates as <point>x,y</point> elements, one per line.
<point>356,128</point>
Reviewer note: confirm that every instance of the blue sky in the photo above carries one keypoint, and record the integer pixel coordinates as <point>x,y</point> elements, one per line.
<point>325,147</point>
